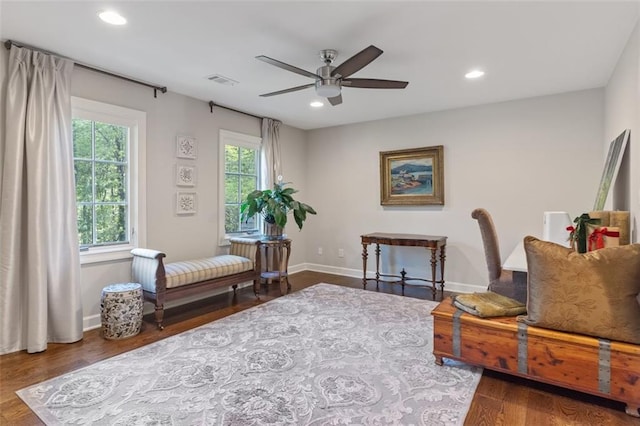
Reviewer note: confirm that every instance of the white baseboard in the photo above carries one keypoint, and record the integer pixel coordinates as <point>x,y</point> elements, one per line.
<point>357,273</point>
<point>94,321</point>
<point>91,322</point>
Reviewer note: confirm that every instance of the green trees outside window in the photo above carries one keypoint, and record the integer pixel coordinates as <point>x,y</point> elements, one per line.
<point>100,152</point>
<point>240,179</point>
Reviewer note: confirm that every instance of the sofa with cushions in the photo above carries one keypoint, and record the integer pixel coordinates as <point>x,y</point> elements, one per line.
<point>581,330</point>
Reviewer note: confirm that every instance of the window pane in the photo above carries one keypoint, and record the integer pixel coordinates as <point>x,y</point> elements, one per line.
<point>231,159</point>
<point>249,225</point>
<point>82,138</point>
<point>85,224</point>
<point>248,185</point>
<point>111,223</point>
<point>241,177</point>
<point>231,189</point>
<point>84,180</point>
<point>248,161</point>
<point>111,142</point>
<point>110,182</point>
<point>232,218</point>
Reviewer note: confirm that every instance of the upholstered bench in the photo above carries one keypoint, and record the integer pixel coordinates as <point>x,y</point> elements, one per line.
<point>161,283</point>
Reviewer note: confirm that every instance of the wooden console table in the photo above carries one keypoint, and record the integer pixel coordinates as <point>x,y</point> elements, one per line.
<point>435,244</point>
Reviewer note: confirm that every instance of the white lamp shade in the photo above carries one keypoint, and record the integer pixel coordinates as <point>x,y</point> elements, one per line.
<point>554,227</point>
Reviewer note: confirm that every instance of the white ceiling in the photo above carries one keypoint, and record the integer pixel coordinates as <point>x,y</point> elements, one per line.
<point>526,48</point>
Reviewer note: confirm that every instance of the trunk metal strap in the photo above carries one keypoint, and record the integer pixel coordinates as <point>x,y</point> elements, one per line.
<point>604,366</point>
<point>456,333</point>
<point>523,352</point>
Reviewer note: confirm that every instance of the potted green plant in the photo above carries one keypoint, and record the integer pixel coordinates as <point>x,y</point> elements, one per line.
<point>274,205</point>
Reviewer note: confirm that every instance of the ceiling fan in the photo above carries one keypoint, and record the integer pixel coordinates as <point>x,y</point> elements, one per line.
<point>329,80</point>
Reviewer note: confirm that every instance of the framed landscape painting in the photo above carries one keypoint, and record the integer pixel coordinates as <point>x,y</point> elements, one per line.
<point>412,177</point>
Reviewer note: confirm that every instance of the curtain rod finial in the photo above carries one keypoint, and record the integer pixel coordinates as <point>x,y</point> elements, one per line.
<point>8,44</point>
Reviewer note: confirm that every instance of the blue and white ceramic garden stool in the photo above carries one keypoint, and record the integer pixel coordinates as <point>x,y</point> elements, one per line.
<point>121,307</point>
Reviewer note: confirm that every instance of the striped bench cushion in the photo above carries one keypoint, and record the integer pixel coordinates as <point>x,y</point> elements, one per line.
<point>193,271</point>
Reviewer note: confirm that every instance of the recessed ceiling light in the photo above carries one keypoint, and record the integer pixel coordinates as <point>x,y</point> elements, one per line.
<point>316,104</point>
<point>111,17</point>
<point>474,74</point>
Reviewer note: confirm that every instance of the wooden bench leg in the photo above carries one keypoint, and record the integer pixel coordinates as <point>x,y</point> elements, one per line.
<point>159,313</point>
<point>256,288</point>
<point>632,410</point>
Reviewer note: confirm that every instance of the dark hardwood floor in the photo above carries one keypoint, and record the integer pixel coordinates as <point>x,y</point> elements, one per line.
<point>499,400</point>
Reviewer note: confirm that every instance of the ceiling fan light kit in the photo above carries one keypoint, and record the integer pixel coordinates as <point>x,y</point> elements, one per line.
<point>329,80</point>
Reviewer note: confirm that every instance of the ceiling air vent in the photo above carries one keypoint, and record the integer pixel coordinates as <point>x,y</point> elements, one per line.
<point>218,78</point>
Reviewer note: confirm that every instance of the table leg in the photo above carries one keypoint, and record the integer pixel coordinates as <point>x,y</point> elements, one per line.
<point>442,259</point>
<point>267,268</point>
<point>434,262</point>
<point>282,279</point>
<point>364,265</point>
<point>377,265</point>
<point>286,264</point>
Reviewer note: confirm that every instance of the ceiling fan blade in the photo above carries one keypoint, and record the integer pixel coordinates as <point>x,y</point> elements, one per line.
<point>374,83</point>
<point>357,62</point>
<point>292,89</point>
<point>287,67</point>
<point>336,100</point>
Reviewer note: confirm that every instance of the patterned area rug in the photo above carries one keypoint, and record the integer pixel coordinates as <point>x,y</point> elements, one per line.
<point>326,355</point>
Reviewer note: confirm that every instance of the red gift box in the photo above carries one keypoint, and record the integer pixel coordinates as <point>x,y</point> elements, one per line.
<point>602,236</point>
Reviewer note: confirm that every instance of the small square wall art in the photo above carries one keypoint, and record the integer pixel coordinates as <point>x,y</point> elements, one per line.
<point>186,203</point>
<point>185,175</point>
<point>186,147</point>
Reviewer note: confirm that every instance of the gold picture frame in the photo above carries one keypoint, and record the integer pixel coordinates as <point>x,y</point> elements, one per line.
<point>412,177</point>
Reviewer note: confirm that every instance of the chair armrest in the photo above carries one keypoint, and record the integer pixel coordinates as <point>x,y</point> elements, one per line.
<point>147,269</point>
<point>247,247</point>
<point>148,253</point>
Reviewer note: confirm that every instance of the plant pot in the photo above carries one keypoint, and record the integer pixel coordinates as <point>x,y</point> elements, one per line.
<point>272,230</point>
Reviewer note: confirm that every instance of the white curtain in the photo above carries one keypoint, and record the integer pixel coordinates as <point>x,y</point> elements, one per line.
<point>40,299</point>
<point>270,152</point>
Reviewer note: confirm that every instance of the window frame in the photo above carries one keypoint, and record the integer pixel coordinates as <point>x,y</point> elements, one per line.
<point>136,195</point>
<point>227,137</point>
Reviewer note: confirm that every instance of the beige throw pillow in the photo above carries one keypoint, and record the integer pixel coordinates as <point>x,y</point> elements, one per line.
<point>594,293</point>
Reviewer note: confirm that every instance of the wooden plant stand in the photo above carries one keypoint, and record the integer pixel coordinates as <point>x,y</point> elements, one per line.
<point>587,364</point>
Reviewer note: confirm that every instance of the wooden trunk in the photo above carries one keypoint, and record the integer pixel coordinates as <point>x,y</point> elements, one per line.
<point>587,364</point>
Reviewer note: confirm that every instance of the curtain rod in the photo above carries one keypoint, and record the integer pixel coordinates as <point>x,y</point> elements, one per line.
<point>212,104</point>
<point>9,43</point>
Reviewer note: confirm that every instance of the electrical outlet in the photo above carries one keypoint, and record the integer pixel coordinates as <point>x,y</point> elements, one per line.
<point>340,252</point>
<point>320,251</point>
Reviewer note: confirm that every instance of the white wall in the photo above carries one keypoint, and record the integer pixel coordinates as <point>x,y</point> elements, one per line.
<point>622,95</point>
<point>517,159</point>
<point>168,115</point>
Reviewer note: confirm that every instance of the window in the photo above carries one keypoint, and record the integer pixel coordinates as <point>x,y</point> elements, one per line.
<point>108,156</point>
<point>240,174</point>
